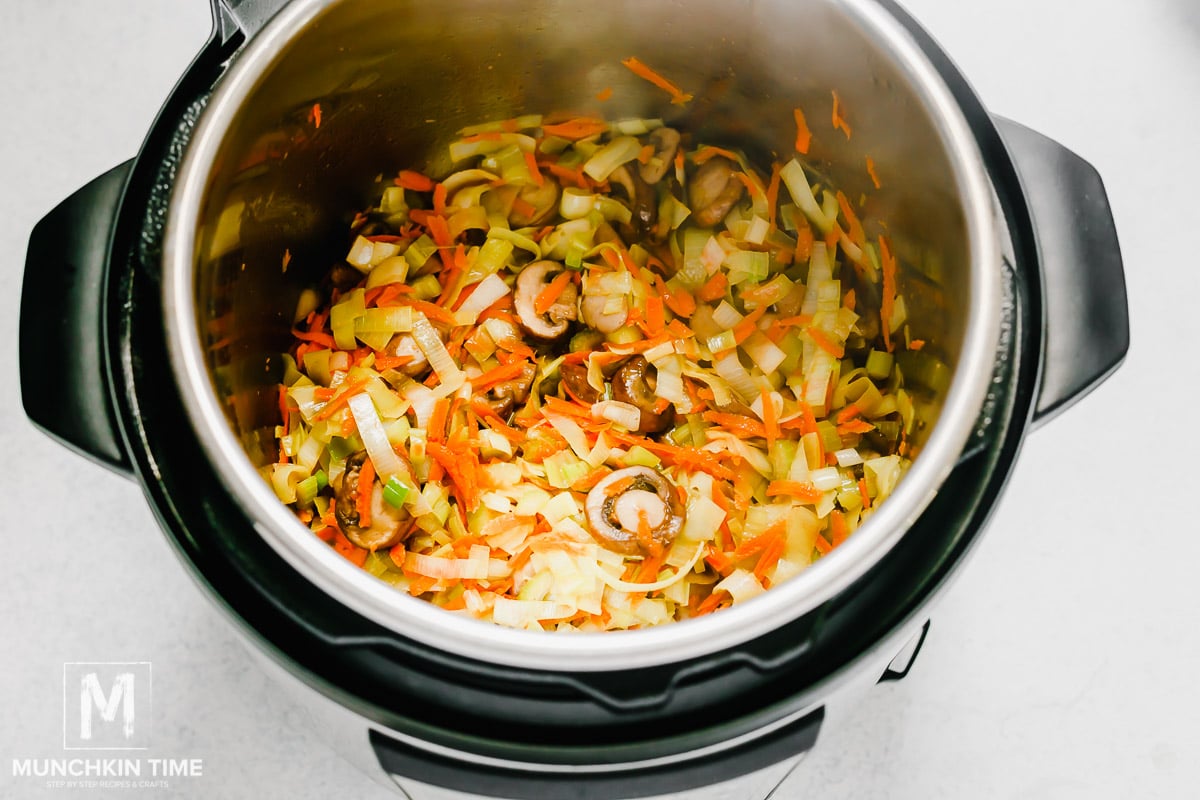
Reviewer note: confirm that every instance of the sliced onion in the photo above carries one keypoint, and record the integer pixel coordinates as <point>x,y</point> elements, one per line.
<point>571,431</point>
<point>726,315</point>
<point>476,567</point>
<point>522,613</point>
<point>626,586</point>
<point>626,415</point>
<point>765,353</point>
<point>741,584</point>
<point>848,457</point>
<point>731,369</point>
<point>489,290</point>
<point>374,437</point>
<point>431,345</point>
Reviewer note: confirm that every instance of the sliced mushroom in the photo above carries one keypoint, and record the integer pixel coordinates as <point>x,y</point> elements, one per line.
<point>642,199</point>
<point>666,142</point>
<point>387,522</point>
<point>714,191</point>
<point>503,396</point>
<point>575,377</point>
<point>595,316</point>
<point>542,199</point>
<point>634,383</point>
<point>406,345</point>
<point>626,502</point>
<point>558,317</point>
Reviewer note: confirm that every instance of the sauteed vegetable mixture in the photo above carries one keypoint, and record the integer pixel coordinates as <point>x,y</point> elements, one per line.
<point>599,376</point>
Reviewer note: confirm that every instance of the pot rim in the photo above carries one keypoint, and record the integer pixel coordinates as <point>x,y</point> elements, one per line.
<point>612,650</point>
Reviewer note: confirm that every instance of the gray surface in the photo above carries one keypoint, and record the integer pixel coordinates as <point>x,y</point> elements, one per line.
<point>1060,665</point>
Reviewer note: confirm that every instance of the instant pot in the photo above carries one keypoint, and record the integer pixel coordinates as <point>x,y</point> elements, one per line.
<point>172,305</point>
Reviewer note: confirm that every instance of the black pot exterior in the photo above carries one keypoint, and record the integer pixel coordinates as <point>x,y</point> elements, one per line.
<point>553,718</point>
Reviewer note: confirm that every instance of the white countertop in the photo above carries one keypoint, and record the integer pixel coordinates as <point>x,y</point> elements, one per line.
<point>1062,663</point>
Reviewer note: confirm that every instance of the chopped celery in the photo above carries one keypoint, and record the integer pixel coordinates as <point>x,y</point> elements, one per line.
<point>395,492</point>
<point>420,251</point>
<point>638,456</point>
<point>426,287</point>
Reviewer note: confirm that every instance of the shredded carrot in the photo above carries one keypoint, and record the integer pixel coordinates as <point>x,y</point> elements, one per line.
<point>366,489</point>
<point>848,413</point>
<point>314,115</point>
<point>712,603</point>
<point>822,545</point>
<point>916,344</point>
<point>804,242</point>
<point>718,560</point>
<point>655,317</point>
<point>770,423</point>
<point>773,193</point>
<point>536,173</point>
<point>348,390</point>
<point>439,199</point>
<point>524,207</point>
<point>754,546</point>
<point>645,154</point>
<point>575,129</point>
<point>548,296</point>
<point>679,161</point>
<point>714,288</point>
<point>604,94</point>
<point>708,152</point>
<point>498,375</point>
<point>863,493</point>
<point>646,73</point>
<point>681,303</point>
<point>822,340</point>
<point>874,175</point>
<point>839,121</point>
<point>838,528</point>
<point>323,339</point>
<point>748,325</point>
<point>855,426</point>
<point>804,492</point>
<point>855,231</point>
<point>770,557</point>
<point>411,179</point>
<point>736,423</point>
<point>566,175</point>
<point>888,303</point>
<point>349,550</point>
<point>803,134</point>
<point>436,426</point>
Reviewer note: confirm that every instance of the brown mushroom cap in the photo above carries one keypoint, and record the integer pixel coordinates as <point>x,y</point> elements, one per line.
<point>666,142</point>
<point>643,201</point>
<point>622,494</point>
<point>714,191</point>
<point>387,521</point>
<point>575,378</point>
<point>633,384</point>
<point>555,322</point>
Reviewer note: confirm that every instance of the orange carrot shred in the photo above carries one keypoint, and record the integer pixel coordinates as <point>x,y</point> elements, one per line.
<point>645,154</point>
<point>655,318</point>
<point>803,134</point>
<point>839,121</point>
<point>708,152</point>
<point>351,552</point>
<point>838,529</point>
<point>646,73</point>
<point>714,288</point>
<point>862,492</point>
<point>822,340</point>
<point>549,295</point>
<point>536,173</point>
<point>712,602</point>
<point>314,115</point>
<point>822,544</point>
<point>348,390</point>
<point>605,94</point>
<point>682,303</point>
<point>576,129</point>
<point>410,179</point>
<point>874,175</point>
<point>804,492</point>
<point>770,557</point>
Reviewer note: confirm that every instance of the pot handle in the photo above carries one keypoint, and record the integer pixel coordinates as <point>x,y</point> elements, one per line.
<point>1083,281</point>
<point>243,18</point>
<point>63,366</point>
<point>544,781</point>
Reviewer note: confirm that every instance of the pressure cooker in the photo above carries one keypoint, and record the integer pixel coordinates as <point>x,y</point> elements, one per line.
<point>173,310</point>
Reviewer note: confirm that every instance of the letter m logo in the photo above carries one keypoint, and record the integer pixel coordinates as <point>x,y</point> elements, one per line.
<point>106,706</point>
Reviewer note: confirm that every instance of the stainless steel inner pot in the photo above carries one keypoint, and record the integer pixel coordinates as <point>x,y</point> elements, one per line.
<point>396,80</point>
